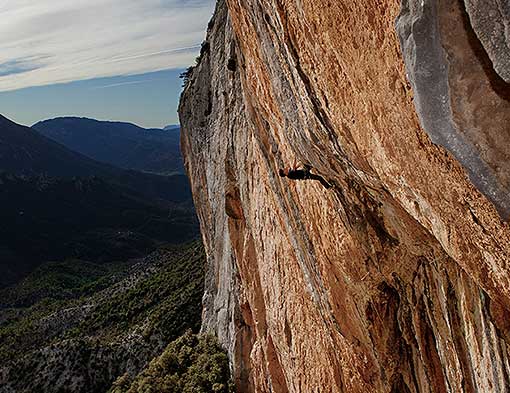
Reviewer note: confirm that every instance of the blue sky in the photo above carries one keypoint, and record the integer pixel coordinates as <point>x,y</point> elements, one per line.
<point>127,55</point>
<point>149,100</point>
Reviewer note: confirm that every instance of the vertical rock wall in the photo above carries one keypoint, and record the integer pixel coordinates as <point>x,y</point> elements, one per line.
<point>395,279</point>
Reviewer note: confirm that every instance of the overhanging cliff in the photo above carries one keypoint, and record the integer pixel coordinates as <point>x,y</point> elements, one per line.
<point>395,279</point>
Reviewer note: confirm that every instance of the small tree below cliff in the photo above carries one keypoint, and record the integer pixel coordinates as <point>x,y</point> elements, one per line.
<point>190,364</point>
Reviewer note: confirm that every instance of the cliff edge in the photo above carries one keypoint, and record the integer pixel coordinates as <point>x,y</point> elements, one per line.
<point>396,278</point>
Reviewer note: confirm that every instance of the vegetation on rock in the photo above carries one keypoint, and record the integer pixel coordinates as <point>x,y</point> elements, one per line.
<point>190,364</point>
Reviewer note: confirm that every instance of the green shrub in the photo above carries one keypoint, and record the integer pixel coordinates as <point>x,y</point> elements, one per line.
<point>190,364</point>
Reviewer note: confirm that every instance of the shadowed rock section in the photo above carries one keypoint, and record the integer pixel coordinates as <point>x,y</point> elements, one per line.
<point>491,22</point>
<point>395,279</point>
<point>462,103</point>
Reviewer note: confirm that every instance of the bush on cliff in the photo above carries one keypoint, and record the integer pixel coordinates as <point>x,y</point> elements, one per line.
<point>190,364</point>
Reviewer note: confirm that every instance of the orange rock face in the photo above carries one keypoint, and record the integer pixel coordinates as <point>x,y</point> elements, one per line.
<point>396,278</point>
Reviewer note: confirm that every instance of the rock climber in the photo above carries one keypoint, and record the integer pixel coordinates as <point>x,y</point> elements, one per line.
<point>293,173</point>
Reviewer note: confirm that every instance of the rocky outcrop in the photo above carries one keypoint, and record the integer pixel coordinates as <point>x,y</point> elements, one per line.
<point>491,22</point>
<point>462,103</point>
<point>396,278</point>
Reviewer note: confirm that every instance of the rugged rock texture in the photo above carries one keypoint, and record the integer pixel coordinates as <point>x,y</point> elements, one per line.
<point>394,280</point>
<point>491,21</point>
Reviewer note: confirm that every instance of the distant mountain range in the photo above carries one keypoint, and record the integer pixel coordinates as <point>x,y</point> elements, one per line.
<point>57,204</point>
<point>26,152</point>
<point>172,127</point>
<point>124,145</point>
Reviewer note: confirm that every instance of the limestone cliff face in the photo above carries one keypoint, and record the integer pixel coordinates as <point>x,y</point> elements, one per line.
<point>396,279</point>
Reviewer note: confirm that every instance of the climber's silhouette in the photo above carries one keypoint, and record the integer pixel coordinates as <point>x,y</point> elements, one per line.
<point>293,173</point>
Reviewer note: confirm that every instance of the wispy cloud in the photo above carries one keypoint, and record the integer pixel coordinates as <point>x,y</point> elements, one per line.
<point>121,84</point>
<point>53,41</point>
<point>163,52</point>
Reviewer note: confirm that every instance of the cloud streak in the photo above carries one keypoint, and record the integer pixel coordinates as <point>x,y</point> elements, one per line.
<point>54,41</point>
<point>121,84</point>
